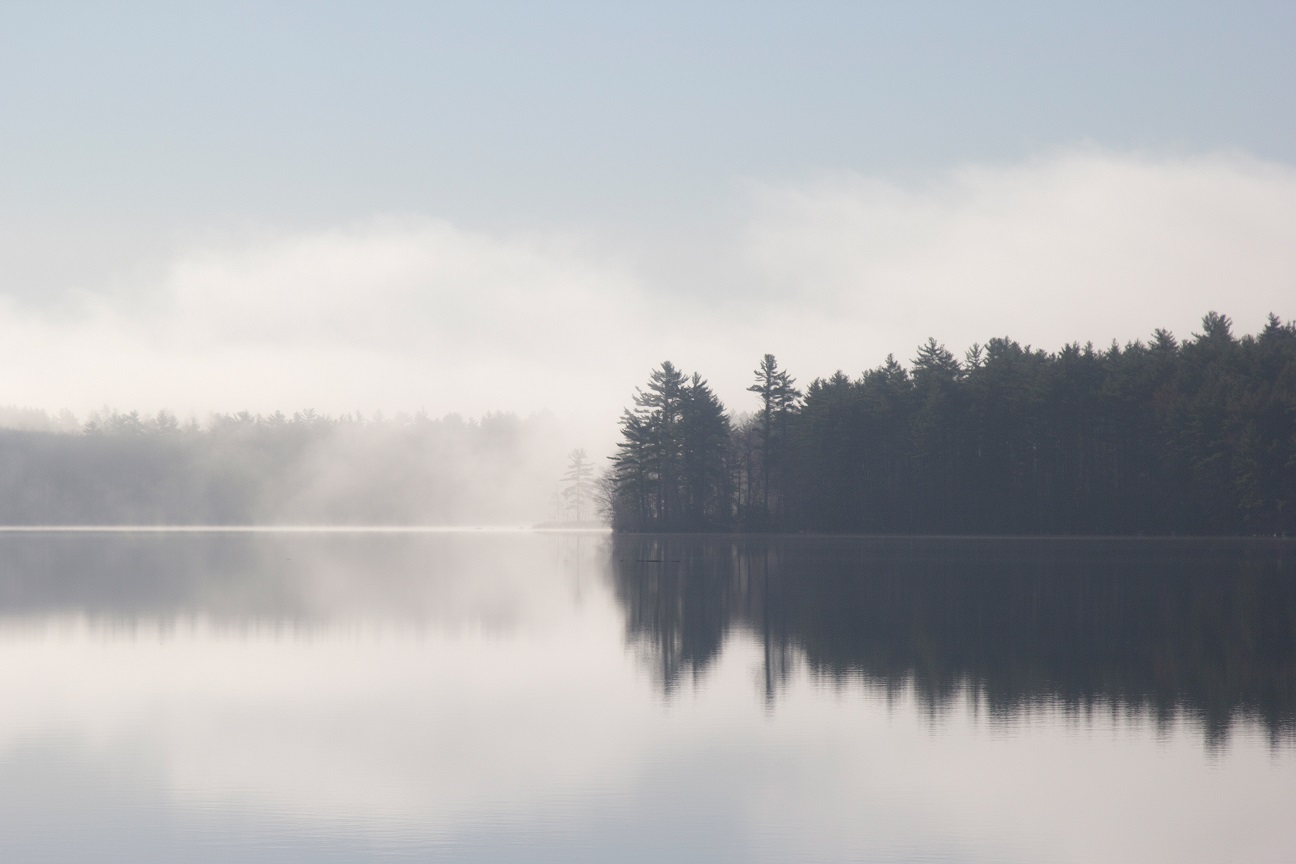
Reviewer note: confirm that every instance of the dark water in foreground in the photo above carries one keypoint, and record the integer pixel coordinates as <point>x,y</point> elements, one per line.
<point>484,696</point>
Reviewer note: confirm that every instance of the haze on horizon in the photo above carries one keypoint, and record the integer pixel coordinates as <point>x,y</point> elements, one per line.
<point>515,208</point>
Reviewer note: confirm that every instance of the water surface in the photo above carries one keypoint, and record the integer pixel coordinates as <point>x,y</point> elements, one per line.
<point>515,696</point>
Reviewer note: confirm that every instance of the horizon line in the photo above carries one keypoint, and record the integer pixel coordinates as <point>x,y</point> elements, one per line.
<point>294,529</point>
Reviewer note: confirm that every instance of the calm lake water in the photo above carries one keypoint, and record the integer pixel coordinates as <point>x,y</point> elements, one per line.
<point>497,696</point>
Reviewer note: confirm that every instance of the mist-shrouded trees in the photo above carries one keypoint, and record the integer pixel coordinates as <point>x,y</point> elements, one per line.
<point>1163,437</point>
<point>125,468</point>
<point>578,485</point>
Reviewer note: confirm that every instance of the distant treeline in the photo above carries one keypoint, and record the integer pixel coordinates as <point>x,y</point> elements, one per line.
<point>121,468</point>
<point>1164,437</point>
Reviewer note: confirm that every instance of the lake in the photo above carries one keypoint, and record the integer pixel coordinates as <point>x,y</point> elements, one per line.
<point>531,696</point>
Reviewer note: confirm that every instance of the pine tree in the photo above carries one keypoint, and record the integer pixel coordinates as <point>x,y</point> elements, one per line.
<point>672,467</point>
<point>579,480</point>
<point>779,398</point>
<point>705,433</point>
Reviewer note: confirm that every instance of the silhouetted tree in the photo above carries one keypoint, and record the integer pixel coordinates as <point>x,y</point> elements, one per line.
<point>672,467</point>
<point>707,481</point>
<point>779,397</point>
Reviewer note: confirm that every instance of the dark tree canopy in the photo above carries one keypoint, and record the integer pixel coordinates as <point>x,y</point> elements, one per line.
<point>1167,437</point>
<point>672,466</point>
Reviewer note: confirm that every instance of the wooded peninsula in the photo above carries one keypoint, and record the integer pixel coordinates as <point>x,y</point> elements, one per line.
<point>1158,438</point>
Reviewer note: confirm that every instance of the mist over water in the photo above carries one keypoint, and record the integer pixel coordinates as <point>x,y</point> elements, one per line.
<point>272,470</point>
<point>579,696</point>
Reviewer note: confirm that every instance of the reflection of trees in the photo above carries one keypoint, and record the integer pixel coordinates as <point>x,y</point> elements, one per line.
<point>245,580</point>
<point>679,598</point>
<point>1203,627</point>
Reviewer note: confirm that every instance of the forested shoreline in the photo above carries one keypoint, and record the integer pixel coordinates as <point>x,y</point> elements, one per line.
<point>122,469</point>
<point>1157,438</point>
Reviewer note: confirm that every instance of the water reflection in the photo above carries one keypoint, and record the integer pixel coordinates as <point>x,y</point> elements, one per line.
<point>1205,628</point>
<point>470,697</point>
<point>1163,628</point>
<point>302,697</point>
<point>307,580</point>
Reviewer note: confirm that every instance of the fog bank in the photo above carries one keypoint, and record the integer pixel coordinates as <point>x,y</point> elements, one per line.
<point>242,469</point>
<point>401,313</point>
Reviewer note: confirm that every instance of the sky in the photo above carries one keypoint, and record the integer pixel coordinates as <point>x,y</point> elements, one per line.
<point>521,207</point>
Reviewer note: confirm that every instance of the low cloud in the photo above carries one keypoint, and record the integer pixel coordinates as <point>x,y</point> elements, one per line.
<point>402,314</point>
<point>1085,245</point>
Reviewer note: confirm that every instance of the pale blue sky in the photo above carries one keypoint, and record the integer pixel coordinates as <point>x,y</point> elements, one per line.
<point>534,112</point>
<point>156,158</point>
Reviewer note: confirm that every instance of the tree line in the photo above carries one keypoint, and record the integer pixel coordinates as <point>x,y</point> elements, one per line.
<point>127,468</point>
<point>1157,437</point>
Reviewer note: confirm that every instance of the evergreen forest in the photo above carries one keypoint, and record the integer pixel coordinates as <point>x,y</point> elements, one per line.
<point>1166,437</point>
